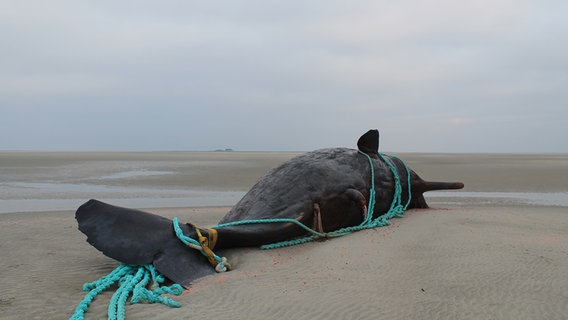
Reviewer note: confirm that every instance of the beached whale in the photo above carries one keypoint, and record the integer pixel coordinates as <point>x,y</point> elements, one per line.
<point>325,190</point>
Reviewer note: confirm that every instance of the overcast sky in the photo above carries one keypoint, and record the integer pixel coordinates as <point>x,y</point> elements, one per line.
<point>432,76</point>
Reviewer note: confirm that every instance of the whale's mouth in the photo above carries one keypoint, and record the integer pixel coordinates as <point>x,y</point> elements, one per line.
<point>418,202</point>
<point>431,186</point>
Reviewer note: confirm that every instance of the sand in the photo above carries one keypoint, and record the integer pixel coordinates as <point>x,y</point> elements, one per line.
<point>461,259</point>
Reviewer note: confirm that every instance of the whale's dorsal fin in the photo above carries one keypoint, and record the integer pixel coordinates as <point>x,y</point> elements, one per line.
<point>369,142</point>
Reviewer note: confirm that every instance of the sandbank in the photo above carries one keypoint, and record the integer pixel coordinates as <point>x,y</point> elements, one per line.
<point>460,259</point>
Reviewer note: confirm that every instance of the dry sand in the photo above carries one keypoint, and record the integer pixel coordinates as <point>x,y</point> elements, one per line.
<point>458,260</point>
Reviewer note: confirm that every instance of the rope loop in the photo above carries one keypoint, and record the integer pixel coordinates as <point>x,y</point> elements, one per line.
<point>219,263</point>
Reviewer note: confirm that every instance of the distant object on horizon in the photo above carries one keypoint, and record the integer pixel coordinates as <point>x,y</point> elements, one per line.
<point>224,150</point>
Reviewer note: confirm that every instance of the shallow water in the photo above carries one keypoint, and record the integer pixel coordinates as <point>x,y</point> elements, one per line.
<point>135,174</point>
<point>52,196</point>
<point>42,196</point>
<point>37,181</point>
<point>197,199</point>
<point>26,196</point>
<point>555,199</point>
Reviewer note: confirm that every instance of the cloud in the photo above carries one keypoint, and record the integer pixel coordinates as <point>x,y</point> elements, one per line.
<point>294,75</point>
<point>383,23</point>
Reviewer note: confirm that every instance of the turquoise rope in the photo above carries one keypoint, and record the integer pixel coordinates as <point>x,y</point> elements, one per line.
<point>132,279</point>
<point>396,210</point>
<point>276,220</point>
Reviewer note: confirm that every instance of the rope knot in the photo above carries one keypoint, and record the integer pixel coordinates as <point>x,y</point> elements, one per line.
<point>204,245</point>
<point>223,266</point>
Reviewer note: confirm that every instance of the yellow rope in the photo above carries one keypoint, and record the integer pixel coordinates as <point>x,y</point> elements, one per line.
<point>207,243</point>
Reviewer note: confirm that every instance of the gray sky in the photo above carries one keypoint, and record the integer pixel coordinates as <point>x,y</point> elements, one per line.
<point>432,76</point>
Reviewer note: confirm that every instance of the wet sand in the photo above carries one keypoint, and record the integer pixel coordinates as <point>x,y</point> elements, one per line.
<point>465,258</point>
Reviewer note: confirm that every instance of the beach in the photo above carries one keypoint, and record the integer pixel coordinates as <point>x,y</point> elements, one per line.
<point>496,250</point>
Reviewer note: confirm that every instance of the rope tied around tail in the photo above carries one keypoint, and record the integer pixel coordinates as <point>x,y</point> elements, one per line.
<point>135,279</point>
<point>219,263</point>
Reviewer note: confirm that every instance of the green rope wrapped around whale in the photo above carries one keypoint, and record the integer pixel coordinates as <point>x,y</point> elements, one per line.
<point>323,193</point>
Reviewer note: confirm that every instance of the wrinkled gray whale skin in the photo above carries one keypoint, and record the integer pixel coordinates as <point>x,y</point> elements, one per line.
<point>326,189</point>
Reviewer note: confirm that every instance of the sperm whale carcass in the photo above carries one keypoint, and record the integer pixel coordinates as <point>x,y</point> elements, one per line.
<point>326,190</point>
